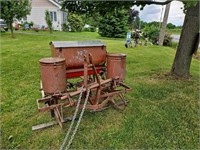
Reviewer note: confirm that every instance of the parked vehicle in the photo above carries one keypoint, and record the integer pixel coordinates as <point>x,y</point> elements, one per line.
<point>3,25</point>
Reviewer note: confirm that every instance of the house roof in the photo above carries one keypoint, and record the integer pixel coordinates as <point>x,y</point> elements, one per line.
<point>56,3</point>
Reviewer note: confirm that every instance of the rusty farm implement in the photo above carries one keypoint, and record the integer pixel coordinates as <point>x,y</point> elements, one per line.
<point>83,76</point>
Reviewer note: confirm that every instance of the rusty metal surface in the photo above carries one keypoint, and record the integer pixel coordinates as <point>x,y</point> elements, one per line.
<point>74,56</point>
<point>53,75</point>
<point>116,66</point>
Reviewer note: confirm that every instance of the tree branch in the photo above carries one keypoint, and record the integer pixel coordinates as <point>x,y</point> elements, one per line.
<point>156,2</point>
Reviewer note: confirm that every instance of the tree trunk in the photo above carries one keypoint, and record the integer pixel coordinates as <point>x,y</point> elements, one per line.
<point>11,29</point>
<point>187,43</point>
<point>131,26</point>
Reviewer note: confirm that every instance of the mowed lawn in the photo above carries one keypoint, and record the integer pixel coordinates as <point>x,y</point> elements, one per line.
<point>161,113</point>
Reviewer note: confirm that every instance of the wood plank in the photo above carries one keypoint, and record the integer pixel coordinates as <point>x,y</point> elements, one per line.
<point>44,125</point>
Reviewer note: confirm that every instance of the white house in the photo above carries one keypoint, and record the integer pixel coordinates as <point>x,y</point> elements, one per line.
<point>38,13</point>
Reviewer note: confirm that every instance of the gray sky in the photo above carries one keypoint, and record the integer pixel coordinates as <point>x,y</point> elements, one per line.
<point>153,13</point>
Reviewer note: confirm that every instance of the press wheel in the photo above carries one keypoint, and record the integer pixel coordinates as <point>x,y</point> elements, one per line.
<point>119,101</point>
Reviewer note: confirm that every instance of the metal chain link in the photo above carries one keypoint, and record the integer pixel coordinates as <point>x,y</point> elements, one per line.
<point>78,123</point>
<point>73,119</point>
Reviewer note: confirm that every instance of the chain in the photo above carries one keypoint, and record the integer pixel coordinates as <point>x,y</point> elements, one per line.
<point>73,119</point>
<point>78,123</point>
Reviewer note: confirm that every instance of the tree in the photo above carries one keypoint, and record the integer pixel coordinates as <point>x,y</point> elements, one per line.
<point>11,9</point>
<point>114,25</point>
<point>93,20</point>
<point>171,26</point>
<point>132,15</point>
<point>143,24</point>
<point>137,24</point>
<point>189,35</point>
<point>75,22</point>
<point>187,44</point>
<point>49,21</point>
<point>154,23</point>
<point>152,33</point>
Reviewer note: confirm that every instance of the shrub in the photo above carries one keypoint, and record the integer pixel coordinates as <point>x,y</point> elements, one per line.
<point>75,22</point>
<point>113,25</point>
<point>30,24</point>
<point>92,29</point>
<point>65,27</point>
<point>49,21</point>
<point>167,40</point>
<point>152,33</point>
<point>174,45</point>
<point>86,29</point>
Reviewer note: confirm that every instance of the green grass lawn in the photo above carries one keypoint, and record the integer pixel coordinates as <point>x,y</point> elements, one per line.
<point>162,112</point>
<point>174,31</point>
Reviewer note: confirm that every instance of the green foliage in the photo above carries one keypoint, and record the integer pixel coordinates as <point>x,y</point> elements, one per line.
<point>49,21</point>
<point>177,30</point>
<point>171,26</point>
<point>174,45</point>
<point>31,23</point>
<point>86,29</point>
<point>26,22</point>
<point>92,20</point>
<point>152,33</point>
<point>191,3</point>
<point>75,22</point>
<point>65,27</point>
<point>93,29</point>
<point>154,23</point>
<point>104,7</point>
<point>143,24</point>
<point>11,9</point>
<point>91,7</point>
<point>113,25</point>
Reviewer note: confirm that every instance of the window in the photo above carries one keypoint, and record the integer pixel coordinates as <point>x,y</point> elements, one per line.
<point>53,15</point>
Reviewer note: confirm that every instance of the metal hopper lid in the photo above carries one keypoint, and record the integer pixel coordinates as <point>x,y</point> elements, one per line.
<point>51,60</point>
<point>59,44</point>
<point>116,55</point>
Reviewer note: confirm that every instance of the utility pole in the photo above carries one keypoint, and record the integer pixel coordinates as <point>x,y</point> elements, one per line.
<point>164,24</point>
